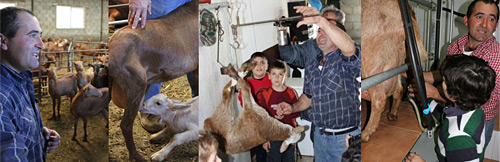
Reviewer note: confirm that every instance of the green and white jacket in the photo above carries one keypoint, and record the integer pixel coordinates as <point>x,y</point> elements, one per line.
<point>461,137</point>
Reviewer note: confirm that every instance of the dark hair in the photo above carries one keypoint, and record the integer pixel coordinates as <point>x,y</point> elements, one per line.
<point>207,143</point>
<point>257,54</point>
<point>469,80</point>
<point>353,152</point>
<point>9,23</point>
<point>470,9</point>
<point>249,62</point>
<point>278,64</point>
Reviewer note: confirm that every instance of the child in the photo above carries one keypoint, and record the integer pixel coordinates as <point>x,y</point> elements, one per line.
<point>269,98</point>
<point>256,78</point>
<point>468,83</point>
<point>208,147</point>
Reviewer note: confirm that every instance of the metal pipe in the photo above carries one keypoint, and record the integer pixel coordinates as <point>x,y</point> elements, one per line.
<point>376,79</point>
<point>118,22</point>
<point>293,18</point>
<point>213,5</point>
<point>96,50</point>
<point>423,3</point>
<point>118,5</point>
<point>450,28</point>
<point>89,42</point>
<point>415,59</point>
<point>435,64</point>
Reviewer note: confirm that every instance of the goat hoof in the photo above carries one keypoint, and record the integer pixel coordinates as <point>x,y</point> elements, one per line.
<point>156,157</point>
<point>364,138</point>
<point>85,140</point>
<point>74,139</point>
<point>392,117</point>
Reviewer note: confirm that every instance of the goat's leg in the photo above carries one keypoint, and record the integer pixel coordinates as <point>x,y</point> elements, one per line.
<point>54,108</point>
<point>220,121</point>
<point>178,139</point>
<point>106,116</point>
<point>378,98</point>
<point>58,115</point>
<point>159,135</point>
<point>74,133</point>
<point>396,101</point>
<point>135,96</point>
<point>85,129</point>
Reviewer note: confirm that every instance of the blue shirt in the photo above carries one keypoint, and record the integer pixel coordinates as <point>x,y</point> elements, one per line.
<point>333,90</point>
<point>21,137</point>
<point>160,8</point>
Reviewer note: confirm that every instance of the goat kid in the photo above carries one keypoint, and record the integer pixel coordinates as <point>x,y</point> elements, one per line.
<point>182,118</point>
<point>65,85</point>
<point>252,127</point>
<point>88,102</point>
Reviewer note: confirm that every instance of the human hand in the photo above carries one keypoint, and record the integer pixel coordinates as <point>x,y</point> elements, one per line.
<point>266,146</point>
<point>138,9</point>
<point>430,90</point>
<point>305,10</point>
<point>53,139</point>
<point>413,157</point>
<point>284,109</point>
<point>347,137</point>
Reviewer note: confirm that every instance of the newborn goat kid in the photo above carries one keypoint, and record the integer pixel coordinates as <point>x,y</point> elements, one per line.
<point>181,118</point>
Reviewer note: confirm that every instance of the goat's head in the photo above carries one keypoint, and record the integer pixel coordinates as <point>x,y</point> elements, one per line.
<point>52,72</point>
<point>78,65</point>
<point>160,103</point>
<point>90,91</point>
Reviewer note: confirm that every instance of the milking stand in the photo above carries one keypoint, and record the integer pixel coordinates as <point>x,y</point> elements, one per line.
<point>422,142</point>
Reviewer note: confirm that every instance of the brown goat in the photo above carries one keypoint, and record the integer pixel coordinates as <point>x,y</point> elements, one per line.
<point>89,101</point>
<point>383,40</point>
<point>252,127</point>
<point>83,77</point>
<point>165,49</point>
<point>65,85</point>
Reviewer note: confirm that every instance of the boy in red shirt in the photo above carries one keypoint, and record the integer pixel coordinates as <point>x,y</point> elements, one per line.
<point>269,98</point>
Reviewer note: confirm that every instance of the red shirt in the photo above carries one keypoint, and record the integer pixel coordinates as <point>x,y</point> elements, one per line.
<point>489,51</point>
<point>271,103</point>
<point>255,86</point>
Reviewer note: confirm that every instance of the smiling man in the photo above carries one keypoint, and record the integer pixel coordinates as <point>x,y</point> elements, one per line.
<point>22,135</point>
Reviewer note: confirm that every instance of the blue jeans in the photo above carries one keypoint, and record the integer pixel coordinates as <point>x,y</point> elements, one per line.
<point>274,154</point>
<point>488,129</point>
<point>154,89</point>
<point>328,148</point>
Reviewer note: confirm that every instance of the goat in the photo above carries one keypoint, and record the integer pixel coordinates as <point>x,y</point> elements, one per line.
<point>383,40</point>
<point>143,56</point>
<point>89,101</point>
<point>65,85</point>
<point>83,76</point>
<point>101,78</point>
<point>252,127</point>
<point>182,118</point>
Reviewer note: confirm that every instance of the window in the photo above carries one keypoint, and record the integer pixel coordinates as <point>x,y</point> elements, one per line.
<point>70,17</point>
<point>3,5</point>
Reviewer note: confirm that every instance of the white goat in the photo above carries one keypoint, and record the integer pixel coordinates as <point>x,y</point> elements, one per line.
<point>182,118</point>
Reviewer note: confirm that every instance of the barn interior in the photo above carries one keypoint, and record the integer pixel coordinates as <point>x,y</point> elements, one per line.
<point>72,31</point>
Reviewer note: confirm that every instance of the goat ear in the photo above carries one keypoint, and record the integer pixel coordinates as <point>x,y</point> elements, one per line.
<point>181,106</point>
